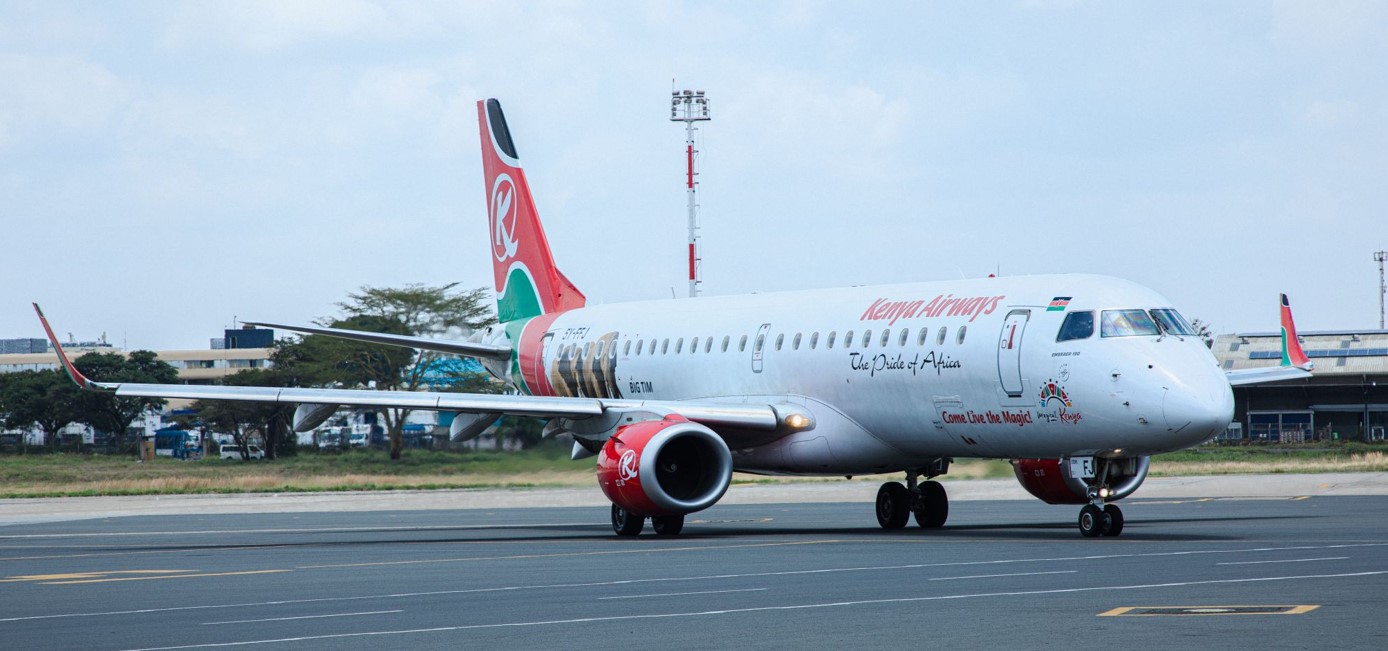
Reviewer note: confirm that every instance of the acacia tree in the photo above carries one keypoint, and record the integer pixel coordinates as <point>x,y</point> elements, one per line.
<point>42,398</point>
<point>1202,330</point>
<point>107,412</point>
<point>441,311</point>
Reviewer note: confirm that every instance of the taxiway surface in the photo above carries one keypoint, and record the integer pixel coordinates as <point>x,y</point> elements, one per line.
<point>805,575</point>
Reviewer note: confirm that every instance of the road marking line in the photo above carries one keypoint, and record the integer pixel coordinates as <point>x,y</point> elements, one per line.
<point>1205,611</point>
<point>995,576</point>
<point>760,609</point>
<point>680,594</point>
<point>286,619</point>
<point>221,532</point>
<point>84,575</point>
<point>1294,560</point>
<point>605,552</point>
<point>709,577</point>
<point>167,576</point>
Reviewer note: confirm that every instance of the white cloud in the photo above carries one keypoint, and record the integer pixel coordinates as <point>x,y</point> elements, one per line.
<point>63,93</point>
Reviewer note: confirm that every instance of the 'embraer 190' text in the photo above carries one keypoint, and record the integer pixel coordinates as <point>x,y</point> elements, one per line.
<point>942,305</point>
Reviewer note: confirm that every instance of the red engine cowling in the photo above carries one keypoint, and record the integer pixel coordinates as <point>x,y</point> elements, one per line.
<point>664,467</point>
<point>1053,481</point>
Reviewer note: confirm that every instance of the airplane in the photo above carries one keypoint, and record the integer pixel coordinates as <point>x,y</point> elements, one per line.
<point>1077,379</point>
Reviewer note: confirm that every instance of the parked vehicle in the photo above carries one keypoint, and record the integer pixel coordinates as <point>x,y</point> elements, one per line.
<point>232,452</point>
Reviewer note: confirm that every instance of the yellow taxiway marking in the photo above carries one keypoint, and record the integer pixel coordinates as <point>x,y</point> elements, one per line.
<point>72,578</point>
<point>1205,611</point>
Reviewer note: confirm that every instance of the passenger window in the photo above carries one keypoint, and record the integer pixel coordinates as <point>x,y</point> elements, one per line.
<point>679,345</point>
<point>814,339</point>
<point>848,339</point>
<point>1126,323</point>
<point>795,343</point>
<point>640,343</point>
<point>761,342</point>
<point>693,345</point>
<point>920,340</point>
<point>708,345</point>
<point>830,342</point>
<point>886,336</point>
<point>652,350</point>
<point>867,338</point>
<point>940,338</point>
<point>959,339</point>
<point>1077,325</point>
<point>626,348</point>
<point>904,333</point>
<point>780,339</point>
<point>742,344</point>
<point>726,339</point>
<point>664,345</point>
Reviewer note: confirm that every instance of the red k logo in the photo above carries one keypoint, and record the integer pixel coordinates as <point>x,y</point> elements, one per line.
<point>626,467</point>
<point>503,218</point>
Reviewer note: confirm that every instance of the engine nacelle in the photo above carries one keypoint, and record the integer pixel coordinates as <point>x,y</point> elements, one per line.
<point>1055,482</point>
<point>307,417</point>
<point>664,467</point>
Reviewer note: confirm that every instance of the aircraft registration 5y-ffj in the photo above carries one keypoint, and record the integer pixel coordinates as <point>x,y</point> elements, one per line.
<point>1077,379</point>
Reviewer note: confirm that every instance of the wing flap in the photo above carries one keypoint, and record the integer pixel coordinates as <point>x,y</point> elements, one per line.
<point>1246,376</point>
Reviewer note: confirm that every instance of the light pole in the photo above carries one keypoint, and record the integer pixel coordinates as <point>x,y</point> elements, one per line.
<point>690,106</point>
<point>1379,257</point>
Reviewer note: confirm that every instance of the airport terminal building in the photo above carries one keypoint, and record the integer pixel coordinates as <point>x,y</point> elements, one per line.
<point>1346,398</point>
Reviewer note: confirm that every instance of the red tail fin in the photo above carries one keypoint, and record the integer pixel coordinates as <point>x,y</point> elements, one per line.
<point>1292,354</point>
<point>527,282</point>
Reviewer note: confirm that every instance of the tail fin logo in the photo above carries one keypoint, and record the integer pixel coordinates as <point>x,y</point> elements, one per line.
<point>503,217</point>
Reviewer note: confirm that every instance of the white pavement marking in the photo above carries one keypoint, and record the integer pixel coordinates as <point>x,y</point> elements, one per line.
<point>679,594</point>
<point>286,619</point>
<point>710,577</point>
<point>222,532</point>
<point>1292,560</point>
<point>996,576</point>
<point>758,609</point>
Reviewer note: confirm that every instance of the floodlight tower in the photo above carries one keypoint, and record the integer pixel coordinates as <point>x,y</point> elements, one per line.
<point>690,106</point>
<point>1379,257</point>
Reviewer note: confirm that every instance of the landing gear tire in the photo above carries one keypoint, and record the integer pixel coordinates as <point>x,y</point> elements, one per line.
<point>934,506</point>
<point>1093,522</point>
<point>1115,520</point>
<point>626,523</point>
<point>893,505</point>
<point>667,525</point>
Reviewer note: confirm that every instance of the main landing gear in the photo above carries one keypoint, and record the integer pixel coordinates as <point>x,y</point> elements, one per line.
<point>926,500</point>
<point>1097,518</point>
<point>626,523</point>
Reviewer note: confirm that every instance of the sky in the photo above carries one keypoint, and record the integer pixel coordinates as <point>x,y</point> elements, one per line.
<point>167,168</point>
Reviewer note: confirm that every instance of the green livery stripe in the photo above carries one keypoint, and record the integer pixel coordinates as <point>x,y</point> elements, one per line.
<point>518,300</point>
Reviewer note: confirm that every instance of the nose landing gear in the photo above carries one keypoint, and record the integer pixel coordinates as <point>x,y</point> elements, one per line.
<point>1097,518</point>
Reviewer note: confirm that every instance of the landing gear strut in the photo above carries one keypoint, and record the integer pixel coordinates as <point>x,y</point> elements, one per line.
<point>1097,518</point>
<point>926,500</point>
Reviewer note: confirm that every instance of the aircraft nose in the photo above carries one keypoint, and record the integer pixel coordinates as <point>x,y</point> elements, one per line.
<point>1198,412</point>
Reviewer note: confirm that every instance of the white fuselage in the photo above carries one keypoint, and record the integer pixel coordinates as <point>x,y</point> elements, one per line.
<point>900,374</point>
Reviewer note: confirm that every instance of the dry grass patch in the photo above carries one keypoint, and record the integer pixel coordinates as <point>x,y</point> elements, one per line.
<point>1364,462</point>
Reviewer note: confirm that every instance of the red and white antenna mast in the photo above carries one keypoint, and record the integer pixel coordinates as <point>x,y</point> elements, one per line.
<point>690,106</point>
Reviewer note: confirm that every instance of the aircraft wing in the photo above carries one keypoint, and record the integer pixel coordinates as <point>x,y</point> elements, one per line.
<point>1245,376</point>
<point>468,348</point>
<point>714,414</point>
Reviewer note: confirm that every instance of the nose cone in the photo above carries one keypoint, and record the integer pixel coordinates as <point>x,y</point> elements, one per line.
<point>1197,411</point>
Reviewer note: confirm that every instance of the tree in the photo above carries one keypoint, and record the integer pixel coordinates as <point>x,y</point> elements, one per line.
<point>43,398</point>
<point>1202,330</point>
<point>435,311</point>
<point>240,418</point>
<point>107,412</point>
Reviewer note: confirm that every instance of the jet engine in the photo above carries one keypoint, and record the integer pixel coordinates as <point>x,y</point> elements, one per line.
<point>664,467</point>
<point>1059,481</point>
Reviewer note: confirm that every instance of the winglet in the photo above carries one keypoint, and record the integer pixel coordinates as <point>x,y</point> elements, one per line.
<point>72,371</point>
<point>1292,355</point>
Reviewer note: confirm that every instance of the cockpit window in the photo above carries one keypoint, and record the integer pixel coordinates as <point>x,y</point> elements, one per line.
<point>1077,325</point>
<point>1173,323</point>
<point>1127,323</point>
